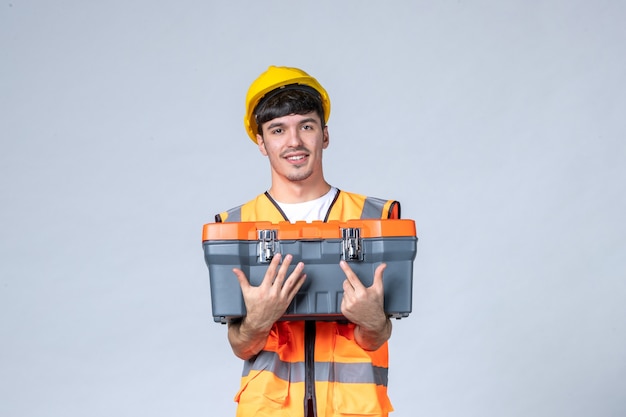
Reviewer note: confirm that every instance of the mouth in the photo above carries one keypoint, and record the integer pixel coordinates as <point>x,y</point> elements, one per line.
<point>296,158</point>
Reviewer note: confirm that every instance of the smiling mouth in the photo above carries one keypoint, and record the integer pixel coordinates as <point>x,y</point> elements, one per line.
<point>296,158</point>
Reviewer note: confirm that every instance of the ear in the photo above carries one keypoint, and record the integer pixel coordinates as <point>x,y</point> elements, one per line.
<point>261,144</point>
<point>326,139</point>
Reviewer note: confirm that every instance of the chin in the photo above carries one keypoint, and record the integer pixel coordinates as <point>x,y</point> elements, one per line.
<point>299,176</point>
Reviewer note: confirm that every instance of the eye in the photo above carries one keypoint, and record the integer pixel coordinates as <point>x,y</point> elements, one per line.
<point>276,131</point>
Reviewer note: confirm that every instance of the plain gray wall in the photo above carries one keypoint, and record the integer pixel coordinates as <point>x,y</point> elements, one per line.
<point>498,125</point>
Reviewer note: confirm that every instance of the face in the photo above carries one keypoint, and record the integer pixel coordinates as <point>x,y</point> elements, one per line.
<point>294,146</point>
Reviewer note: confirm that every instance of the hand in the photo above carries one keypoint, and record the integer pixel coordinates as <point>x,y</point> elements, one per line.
<point>364,307</point>
<point>266,303</point>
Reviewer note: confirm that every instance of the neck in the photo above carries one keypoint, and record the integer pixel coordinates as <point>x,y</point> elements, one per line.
<point>294,192</point>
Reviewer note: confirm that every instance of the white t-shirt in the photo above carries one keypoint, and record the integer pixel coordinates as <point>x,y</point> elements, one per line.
<point>309,210</point>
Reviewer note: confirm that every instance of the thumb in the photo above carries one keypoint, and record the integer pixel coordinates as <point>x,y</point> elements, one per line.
<point>378,276</point>
<point>241,277</point>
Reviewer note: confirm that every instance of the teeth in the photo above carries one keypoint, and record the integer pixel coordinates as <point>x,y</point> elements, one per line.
<point>295,158</point>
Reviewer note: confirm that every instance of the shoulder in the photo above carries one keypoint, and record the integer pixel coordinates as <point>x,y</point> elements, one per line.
<point>372,207</point>
<point>234,214</point>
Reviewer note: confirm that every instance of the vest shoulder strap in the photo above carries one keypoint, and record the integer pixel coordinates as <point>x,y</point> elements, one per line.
<point>349,206</point>
<point>261,208</point>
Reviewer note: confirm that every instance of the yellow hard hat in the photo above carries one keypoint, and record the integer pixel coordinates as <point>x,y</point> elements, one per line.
<point>273,78</point>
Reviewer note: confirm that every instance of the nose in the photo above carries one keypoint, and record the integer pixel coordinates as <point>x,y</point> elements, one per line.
<point>293,137</point>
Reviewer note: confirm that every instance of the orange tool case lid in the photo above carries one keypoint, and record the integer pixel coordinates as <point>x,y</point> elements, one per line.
<point>370,228</point>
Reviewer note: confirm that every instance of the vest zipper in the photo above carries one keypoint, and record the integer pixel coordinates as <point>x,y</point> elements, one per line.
<point>309,369</point>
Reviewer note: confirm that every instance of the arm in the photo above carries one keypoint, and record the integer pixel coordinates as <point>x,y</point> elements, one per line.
<point>245,340</point>
<point>265,304</point>
<point>365,307</point>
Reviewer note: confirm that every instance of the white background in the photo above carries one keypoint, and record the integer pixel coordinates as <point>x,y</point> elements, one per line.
<point>498,125</point>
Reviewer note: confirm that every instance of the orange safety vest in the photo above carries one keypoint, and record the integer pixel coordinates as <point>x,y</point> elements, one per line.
<point>306,361</point>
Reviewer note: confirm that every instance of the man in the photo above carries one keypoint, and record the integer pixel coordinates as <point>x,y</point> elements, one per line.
<point>305,368</point>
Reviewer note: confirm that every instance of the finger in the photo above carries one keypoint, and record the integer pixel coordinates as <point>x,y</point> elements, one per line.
<point>294,277</point>
<point>347,287</point>
<point>270,274</point>
<point>295,281</point>
<point>282,271</point>
<point>354,281</point>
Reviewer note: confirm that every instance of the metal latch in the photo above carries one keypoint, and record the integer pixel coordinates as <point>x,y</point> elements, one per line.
<point>352,249</point>
<point>268,244</point>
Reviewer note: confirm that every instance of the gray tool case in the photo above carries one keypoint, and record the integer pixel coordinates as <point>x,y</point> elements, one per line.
<point>365,244</point>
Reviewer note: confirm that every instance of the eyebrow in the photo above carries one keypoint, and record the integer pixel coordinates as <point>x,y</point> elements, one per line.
<point>276,124</point>
<point>308,120</point>
<point>301,122</point>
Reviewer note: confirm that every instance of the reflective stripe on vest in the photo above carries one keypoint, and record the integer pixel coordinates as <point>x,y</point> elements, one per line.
<point>373,208</point>
<point>233,215</point>
<point>348,373</point>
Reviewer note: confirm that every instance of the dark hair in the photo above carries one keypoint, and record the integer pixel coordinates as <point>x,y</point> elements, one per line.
<point>290,99</point>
